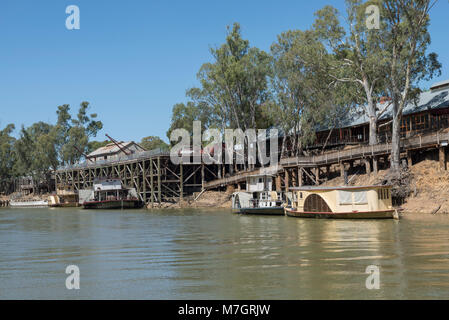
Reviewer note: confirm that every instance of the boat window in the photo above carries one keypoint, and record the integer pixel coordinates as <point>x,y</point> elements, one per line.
<point>345,197</point>
<point>360,197</point>
<point>314,203</point>
<point>383,194</point>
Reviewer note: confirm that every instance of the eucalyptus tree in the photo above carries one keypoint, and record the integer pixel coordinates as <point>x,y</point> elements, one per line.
<point>74,132</point>
<point>407,38</point>
<point>36,153</point>
<point>359,57</point>
<point>303,95</point>
<point>233,87</point>
<point>238,80</point>
<point>7,157</point>
<point>153,142</point>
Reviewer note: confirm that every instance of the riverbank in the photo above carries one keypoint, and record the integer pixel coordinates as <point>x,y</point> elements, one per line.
<point>425,187</point>
<point>208,199</point>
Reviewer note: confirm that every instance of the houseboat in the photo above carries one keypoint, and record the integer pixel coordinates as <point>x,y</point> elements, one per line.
<point>110,194</point>
<point>258,197</point>
<point>347,202</point>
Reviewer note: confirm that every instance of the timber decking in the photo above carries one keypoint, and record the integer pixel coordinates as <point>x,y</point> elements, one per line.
<point>156,179</point>
<point>337,157</point>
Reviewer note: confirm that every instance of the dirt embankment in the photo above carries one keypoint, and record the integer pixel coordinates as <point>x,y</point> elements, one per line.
<point>431,189</point>
<point>424,187</point>
<point>209,199</point>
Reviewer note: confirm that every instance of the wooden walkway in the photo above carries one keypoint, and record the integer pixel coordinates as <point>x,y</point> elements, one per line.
<point>366,152</point>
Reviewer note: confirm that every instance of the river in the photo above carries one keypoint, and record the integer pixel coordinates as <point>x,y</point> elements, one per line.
<point>215,254</point>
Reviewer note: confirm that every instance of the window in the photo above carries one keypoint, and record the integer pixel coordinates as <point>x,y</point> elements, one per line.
<point>383,194</point>
<point>300,195</point>
<point>345,197</point>
<point>360,197</point>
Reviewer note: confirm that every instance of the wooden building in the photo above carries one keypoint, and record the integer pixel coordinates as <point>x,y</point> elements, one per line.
<point>114,151</point>
<point>429,113</point>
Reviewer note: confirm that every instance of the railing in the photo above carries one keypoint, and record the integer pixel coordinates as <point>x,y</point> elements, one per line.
<point>333,157</point>
<point>136,156</point>
<point>363,151</point>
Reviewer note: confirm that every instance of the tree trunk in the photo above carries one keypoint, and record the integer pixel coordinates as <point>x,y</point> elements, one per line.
<point>372,130</point>
<point>396,144</point>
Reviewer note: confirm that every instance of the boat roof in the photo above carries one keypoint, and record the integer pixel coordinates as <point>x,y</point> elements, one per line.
<point>259,175</point>
<point>324,188</point>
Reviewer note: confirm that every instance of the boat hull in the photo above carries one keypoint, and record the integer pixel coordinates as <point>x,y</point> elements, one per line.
<point>385,214</point>
<point>269,211</point>
<point>28,204</point>
<point>64,205</point>
<point>113,204</point>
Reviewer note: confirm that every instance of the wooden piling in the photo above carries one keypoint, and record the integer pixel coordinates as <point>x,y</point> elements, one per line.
<point>375,165</point>
<point>442,158</point>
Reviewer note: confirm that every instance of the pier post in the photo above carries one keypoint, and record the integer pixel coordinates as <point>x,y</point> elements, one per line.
<point>151,182</point>
<point>300,181</point>
<point>202,176</point>
<point>287,179</point>
<point>409,158</point>
<point>181,182</point>
<point>317,175</point>
<point>278,183</point>
<point>342,169</point>
<point>367,166</point>
<point>375,165</point>
<point>159,191</point>
<point>442,158</point>
<point>144,181</point>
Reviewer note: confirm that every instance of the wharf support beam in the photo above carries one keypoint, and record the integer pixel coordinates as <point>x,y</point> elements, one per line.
<point>442,157</point>
<point>155,179</point>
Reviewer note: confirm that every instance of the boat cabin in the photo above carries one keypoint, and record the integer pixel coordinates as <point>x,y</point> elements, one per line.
<point>342,199</point>
<point>109,189</point>
<point>259,183</point>
<point>259,193</point>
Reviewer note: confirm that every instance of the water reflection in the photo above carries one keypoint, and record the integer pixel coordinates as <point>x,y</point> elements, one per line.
<point>200,254</point>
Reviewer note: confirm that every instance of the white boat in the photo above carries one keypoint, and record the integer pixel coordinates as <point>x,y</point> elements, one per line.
<point>28,203</point>
<point>258,198</point>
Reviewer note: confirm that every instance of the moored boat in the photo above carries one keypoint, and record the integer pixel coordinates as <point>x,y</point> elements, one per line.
<point>64,197</point>
<point>110,194</point>
<point>28,203</point>
<point>346,202</point>
<point>258,198</point>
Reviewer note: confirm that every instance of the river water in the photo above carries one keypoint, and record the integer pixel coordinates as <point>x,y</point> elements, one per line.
<point>215,254</point>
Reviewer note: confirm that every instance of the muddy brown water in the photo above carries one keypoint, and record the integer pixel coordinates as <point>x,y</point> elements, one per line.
<point>215,254</point>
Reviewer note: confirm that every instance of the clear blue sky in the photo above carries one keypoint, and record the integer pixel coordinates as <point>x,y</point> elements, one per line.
<point>133,60</point>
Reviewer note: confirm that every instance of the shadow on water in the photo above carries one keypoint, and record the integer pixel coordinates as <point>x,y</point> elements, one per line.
<point>215,254</point>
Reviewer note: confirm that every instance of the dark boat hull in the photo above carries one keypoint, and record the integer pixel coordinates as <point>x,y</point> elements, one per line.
<point>385,214</point>
<point>269,211</point>
<point>113,204</point>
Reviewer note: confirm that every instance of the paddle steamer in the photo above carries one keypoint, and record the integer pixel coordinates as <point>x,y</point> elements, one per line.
<point>346,202</point>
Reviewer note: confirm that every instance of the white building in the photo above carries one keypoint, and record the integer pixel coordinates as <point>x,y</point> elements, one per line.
<point>113,151</point>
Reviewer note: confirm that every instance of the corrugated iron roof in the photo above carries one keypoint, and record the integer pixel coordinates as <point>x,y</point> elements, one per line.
<point>110,148</point>
<point>428,100</point>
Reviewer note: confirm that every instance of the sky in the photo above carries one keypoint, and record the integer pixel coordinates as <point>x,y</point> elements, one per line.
<point>133,60</point>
